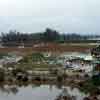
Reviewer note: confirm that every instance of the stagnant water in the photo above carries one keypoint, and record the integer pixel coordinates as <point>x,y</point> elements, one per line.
<point>33,92</point>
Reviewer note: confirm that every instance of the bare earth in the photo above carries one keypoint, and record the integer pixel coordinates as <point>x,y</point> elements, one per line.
<point>50,47</point>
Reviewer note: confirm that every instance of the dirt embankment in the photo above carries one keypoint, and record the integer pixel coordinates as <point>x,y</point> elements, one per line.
<point>49,47</point>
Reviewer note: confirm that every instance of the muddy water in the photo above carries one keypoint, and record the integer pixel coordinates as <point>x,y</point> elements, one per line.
<point>32,92</point>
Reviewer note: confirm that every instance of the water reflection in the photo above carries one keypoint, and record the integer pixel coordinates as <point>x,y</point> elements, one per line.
<point>9,89</point>
<point>37,92</point>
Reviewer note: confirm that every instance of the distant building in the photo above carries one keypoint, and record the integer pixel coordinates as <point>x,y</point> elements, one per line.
<point>1,46</point>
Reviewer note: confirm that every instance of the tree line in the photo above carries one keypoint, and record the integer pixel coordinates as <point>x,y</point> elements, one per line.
<point>14,38</point>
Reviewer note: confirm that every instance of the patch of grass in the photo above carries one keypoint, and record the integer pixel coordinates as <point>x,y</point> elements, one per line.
<point>37,56</point>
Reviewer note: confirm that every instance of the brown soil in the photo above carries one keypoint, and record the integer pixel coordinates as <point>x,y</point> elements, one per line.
<point>50,47</point>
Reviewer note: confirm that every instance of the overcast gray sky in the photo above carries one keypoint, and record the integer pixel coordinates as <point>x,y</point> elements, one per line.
<point>81,16</point>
